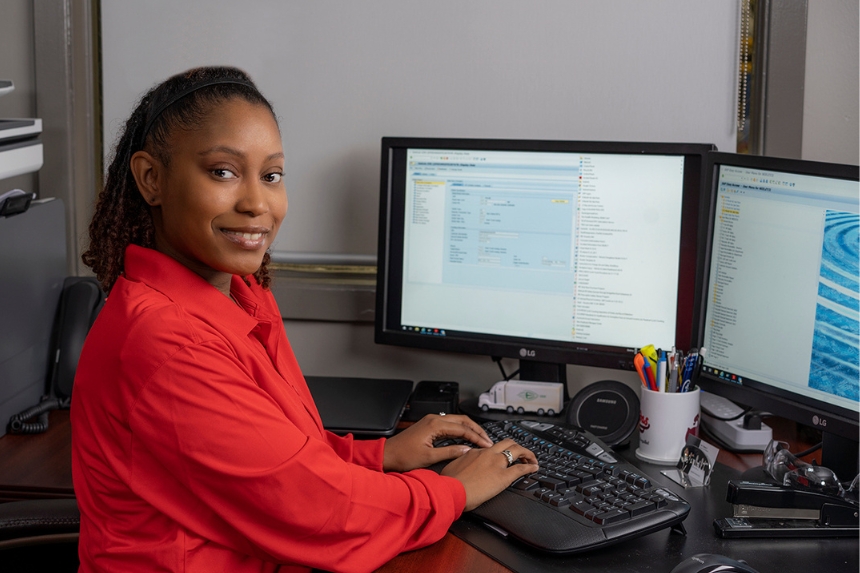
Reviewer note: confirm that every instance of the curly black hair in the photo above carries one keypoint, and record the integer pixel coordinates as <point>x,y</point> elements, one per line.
<point>121,216</point>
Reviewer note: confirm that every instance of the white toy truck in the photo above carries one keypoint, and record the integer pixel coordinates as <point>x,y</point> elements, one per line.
<point>522,396</point>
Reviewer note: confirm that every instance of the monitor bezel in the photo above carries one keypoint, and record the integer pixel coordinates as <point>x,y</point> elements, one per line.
<point>805,410</point>
<point>390,266</point>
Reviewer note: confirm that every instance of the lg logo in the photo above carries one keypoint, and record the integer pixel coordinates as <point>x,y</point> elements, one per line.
<point>525,353</point>
<point>816,421</point>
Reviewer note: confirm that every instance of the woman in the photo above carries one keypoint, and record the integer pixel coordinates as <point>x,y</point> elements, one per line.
<point>196,443</point>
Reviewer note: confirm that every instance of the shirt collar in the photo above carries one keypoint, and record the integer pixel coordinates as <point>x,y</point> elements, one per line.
<point>196,296</point>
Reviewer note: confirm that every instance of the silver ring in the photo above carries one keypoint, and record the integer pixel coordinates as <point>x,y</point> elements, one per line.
<point>510,457</point>
<point>441,413</point>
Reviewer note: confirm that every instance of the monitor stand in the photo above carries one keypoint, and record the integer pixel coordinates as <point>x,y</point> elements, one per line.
<point>840,455</point>
<point>545,372</point>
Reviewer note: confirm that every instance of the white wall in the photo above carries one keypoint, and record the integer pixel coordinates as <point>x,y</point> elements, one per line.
<point>831,98</point>
<point>344,74</point>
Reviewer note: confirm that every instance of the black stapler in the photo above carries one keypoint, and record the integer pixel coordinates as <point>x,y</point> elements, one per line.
<point>763,509</point>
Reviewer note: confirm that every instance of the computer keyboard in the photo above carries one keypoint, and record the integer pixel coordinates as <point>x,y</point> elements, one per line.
<point>582,498</point>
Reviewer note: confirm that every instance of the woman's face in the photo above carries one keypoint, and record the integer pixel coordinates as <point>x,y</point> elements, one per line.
<point>220,201</point>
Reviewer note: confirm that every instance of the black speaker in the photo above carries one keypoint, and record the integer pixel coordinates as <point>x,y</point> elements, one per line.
<point>608,409</point>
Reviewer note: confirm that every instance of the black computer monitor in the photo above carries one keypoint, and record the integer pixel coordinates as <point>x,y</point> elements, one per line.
<point>550,252</point>
<point>779,306</point>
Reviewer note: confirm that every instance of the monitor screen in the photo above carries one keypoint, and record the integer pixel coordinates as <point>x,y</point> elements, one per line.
<point>780,302</point>
<point>549,252</point>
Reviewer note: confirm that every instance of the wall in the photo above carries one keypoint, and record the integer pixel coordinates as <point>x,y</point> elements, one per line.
<point>342,75</point>
<point>17,63</point>
<point>831,98</point>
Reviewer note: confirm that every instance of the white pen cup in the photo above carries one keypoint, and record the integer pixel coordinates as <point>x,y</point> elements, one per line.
<point>665,421</point>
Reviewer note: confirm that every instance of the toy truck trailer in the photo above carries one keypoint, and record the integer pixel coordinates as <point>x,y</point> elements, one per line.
<point>522,396</point>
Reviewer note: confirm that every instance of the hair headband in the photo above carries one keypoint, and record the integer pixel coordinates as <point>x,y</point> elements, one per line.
<point>157,111</point>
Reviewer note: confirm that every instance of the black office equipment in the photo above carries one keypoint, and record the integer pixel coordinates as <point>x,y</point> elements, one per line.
<point>710,563</point>
<point>769,510</point>
<point>608,409</point>
<point>583,498</point>
<point>365,407</point>
<point>432,397</point>
<point>15,202</point>
<point>80,302</point>
<point>550,252</point>
<point>779,304</point>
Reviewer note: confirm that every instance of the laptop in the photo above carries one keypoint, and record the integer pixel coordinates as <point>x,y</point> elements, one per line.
<point>364,407</point>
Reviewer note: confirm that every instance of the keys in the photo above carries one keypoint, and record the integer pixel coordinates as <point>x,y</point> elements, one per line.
<point>603,491</point>
<point>526,484</point>
<point>610,516</point>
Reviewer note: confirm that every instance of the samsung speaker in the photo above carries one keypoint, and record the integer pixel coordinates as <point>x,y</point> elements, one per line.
<point>608,409</point>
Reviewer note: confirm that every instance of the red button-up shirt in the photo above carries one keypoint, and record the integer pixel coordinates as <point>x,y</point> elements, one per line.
<point>196,445</point>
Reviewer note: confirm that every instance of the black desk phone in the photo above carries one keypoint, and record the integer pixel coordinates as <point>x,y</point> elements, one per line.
<point>80,302</point>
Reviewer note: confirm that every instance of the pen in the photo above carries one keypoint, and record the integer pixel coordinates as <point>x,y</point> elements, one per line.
<point>661,372</point>
<point>689,367</point>
<point>673,372</point>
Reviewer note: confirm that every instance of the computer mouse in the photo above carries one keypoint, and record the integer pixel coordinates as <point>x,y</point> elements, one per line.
<point>711,563</point>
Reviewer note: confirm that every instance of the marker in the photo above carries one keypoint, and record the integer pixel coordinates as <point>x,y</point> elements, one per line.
<point>649,375</point>
<point>639,364</point>
<point>650,353</point>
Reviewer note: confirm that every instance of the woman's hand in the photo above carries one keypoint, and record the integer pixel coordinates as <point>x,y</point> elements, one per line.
<point>485,473</point>
<point>413,447</point>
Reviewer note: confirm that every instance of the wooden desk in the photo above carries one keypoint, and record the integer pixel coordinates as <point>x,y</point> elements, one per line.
<point>39,466</point>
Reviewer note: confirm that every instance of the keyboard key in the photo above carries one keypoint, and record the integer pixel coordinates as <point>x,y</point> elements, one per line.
<point>526,484</point>
<point>583,508</point>
<point>610,516</point>
<point>642,482</point>
<point>540,491</point>
<point>551,483</point>
<point>590,488</point>
<point>641,508</point>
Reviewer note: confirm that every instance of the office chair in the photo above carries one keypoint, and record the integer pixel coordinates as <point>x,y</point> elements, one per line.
<point>39,535</point>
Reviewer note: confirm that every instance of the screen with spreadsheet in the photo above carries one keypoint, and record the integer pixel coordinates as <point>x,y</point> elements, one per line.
<point>537,246</point>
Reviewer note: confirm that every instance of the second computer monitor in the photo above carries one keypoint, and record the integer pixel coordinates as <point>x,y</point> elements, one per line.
<point>781,303</point>
<point>548,251</point>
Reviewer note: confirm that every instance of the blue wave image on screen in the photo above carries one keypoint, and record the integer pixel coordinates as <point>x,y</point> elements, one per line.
<point>835,363</point>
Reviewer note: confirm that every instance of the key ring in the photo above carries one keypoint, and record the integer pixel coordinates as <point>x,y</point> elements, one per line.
<point>510,456</point>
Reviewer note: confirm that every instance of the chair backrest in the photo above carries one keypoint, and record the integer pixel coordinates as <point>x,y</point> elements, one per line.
<point>38,522</point>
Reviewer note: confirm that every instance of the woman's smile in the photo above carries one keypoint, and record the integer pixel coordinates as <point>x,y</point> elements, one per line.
<point>250,239</point>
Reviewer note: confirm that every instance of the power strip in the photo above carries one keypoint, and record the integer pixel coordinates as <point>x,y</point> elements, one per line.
<point>732,434</point>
